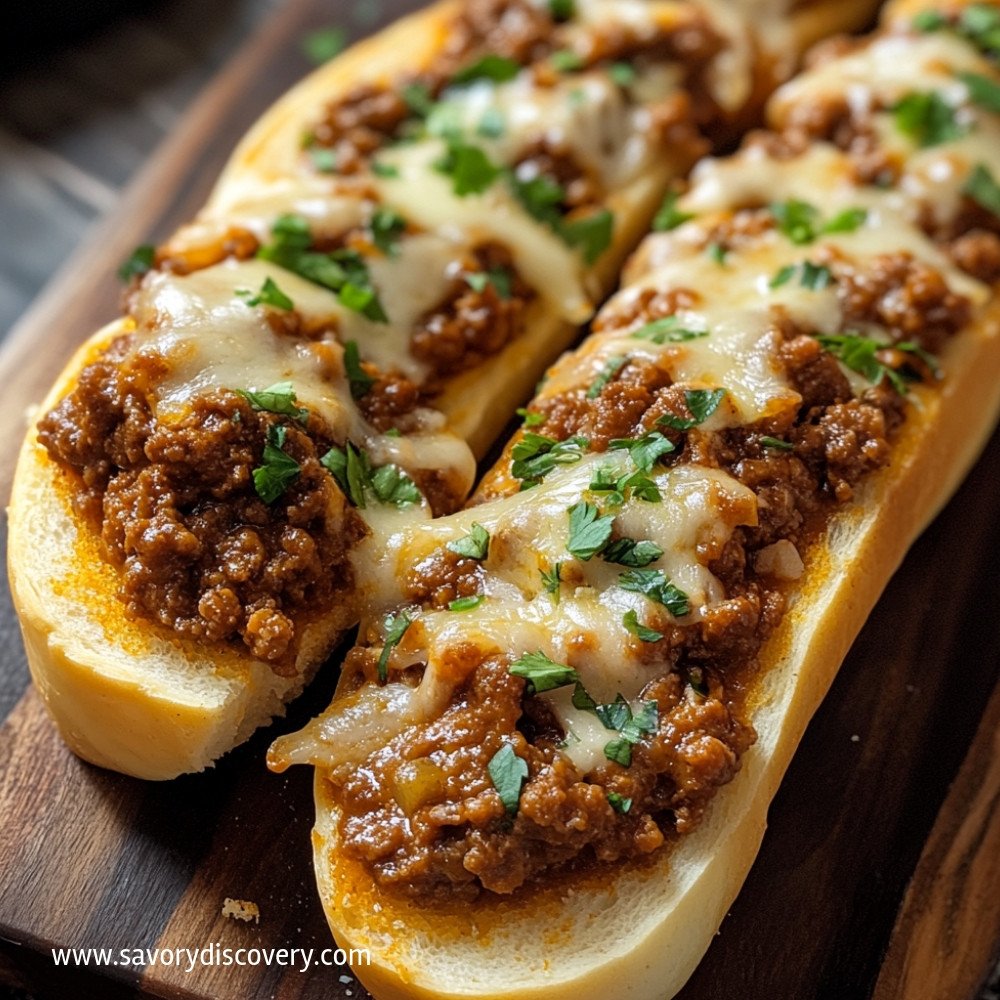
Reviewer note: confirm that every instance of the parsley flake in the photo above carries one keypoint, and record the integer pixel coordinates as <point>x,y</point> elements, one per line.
<point>619,803</point>
<point>466,603</point>
<point>589,532</point>
<point>983,189</point>
<point>358,379</point>
<point>543,673</point>
<point>277,469</point>
<point>983,91</point>
<point>499,69</point>
<point>268,295</point>
<point>640,631</point>
<point>474,545</point>
<point>611,368</point>
<point>591,234</point>
<point>322,45</point>
<point>536,455</point>
<point>470,169</point>
<point>667,330</point>
<point>387,226</point>
<point>551,581</point>
<point>645,451</point>
<point>138,262</point>
<point>629,552</point>
<point>508,772</point>
<point>701,402</point>
<point>669,216</point>
<point>278,398</point>
<point>395,628</point>
<point>927,119</point>
<point>654,584</point>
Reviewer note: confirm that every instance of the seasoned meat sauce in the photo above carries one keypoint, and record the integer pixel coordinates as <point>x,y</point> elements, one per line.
<point>177,510</point>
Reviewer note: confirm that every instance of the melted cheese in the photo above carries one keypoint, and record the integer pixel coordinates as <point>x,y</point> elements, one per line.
<point>211,339</point>
<point>425,196</point>
<point>528,534</point>
<point>587,113</point>
<point>877,77</point>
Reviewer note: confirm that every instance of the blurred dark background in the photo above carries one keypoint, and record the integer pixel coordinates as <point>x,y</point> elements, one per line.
<point>87,91</point>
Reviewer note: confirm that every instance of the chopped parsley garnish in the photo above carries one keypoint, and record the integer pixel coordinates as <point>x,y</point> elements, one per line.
<point>492,124</point>
<point>619,803</point>
<point>380,169</point>
<point>640,631</point>
<point>927,119</point>
<point>474,545</point>
<point>654,585</point>
<point>541,198</point>
<point>582,700</point>
<point>508,773</point>
<point>645,451</point>
<point>566,61</point>
<point>611,368</point>
<point>618,716</point>
<point>323,159</point>
<point>815,277</point>
<point>859,354</point>
<point>360,381</point>
<point>395,628</point>
<point>629,552</point>
<point>498,277</point>
<point>353,471</point>
<point>983,91</point>
<point>551,580</point>
<point>979,23</point>
<point>776,443</point>
<point>349,466</point>
<point>322,45</point>
<point>669,216</point>
<point>983,189</point>
<point>391,485</point>
<point>717,252</point>
<point>418,98</point>
<point>801,223</point>
<point>616,491</point>
<point>667,330</point>
<point>530,418</point>
<point>499,69</point>
<point>542,673</point>
<point>278,398</point>
<point>386,228</point>
<point>466,603</point>
<point>343,271</point>
<point>929,20</point>
<point>138,262</point>
<point>588,530</point>
<point>536,455</point>
<point>277,469</point>
<point>591,234</point>
<point>268,295</point>
<point>562,10</point>
<point>470,169</point>
<point>701,402</point>
<point>622,73</point>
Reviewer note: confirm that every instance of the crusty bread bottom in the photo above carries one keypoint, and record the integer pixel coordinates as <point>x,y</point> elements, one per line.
<point>639,931</point>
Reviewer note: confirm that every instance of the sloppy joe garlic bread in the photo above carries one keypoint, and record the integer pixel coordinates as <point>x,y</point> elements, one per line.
<point>572,702</point>
<point>389,261</point>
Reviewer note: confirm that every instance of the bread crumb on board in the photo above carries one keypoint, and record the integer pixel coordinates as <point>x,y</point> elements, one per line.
<point>241,909</point>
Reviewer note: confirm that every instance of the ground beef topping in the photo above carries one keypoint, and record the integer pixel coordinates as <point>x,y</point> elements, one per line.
<point>199,550</point>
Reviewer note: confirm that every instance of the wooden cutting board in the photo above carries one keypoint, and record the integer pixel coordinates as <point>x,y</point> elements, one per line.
<point>875,881</point>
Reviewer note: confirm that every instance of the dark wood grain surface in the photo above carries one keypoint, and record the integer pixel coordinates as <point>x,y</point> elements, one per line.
<point>879,877</point>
